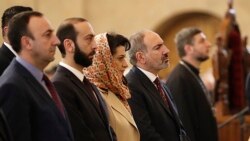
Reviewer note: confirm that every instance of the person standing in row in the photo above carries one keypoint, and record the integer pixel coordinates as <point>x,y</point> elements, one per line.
<point>193,100</point>
<point>151,102</point>
<point>6,51</point>
<point>109,61</point>
<point>32,107</point>
<point>86,108</point>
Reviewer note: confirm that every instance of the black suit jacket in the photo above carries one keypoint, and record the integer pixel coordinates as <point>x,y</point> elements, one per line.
<point>153,118</point>
<point>192,104</point>
<point>4,128</point>
<point>88,123</point>
<point>31,114</point>
<point>6,57</point>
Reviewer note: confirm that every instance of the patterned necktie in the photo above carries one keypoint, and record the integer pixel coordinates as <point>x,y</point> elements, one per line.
<point>55,97</point>
<point>161,91</point>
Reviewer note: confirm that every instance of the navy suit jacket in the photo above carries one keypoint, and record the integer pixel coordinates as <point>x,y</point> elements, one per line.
<point>31,114</point>
<point>4,128</point>
<point>88,122</point>
<point>6,57</point>
<point>154,120</point>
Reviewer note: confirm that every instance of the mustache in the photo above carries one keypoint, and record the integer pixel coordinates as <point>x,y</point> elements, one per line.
<point>92,53</point>
<point>164,56</point>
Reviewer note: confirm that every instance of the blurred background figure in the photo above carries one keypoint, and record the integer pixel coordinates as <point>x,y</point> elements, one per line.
<point>6,51</point>
<point>193,100</point>
<point>231,37</point>
<point>220,63</point>
<point>246,56</point>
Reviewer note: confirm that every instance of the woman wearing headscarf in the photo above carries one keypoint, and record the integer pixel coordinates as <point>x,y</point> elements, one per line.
<point>106,72</point>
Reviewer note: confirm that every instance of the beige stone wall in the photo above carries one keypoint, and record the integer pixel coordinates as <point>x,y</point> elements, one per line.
<point>129,16</point>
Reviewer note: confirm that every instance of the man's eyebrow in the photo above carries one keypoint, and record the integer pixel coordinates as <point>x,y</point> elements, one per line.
<point>48,31</point>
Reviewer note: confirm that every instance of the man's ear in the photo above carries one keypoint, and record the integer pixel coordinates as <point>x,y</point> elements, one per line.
<point>26,42</point>
<point>69,45</point>
<point>140,57</point>
<point>5,30</point>
<point>188,48</point>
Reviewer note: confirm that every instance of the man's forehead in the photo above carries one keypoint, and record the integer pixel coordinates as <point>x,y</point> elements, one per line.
<point>203,35</point>
<point>84,28</point>
<point>152,38</point>
<point>39,23</point>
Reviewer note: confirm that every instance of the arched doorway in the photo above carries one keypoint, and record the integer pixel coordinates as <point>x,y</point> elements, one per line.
<point>209,23</point>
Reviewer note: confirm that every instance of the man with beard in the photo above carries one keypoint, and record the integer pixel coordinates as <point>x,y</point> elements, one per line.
<point>151,103</point>
<point>192,98</point>
<point>82,100</point>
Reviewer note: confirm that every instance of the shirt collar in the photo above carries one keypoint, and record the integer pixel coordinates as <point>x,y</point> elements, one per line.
<point>10,48</point>
<point>194,69</point>
<point>38,74</point>
<point>150,75</point>
<point>77,73</point>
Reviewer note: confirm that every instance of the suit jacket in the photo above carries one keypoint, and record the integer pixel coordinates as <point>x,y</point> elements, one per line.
<point>192,104</point>
<point>6,57</point>
<point>4,128</point>
<point>87,121</point>
<point>120,119</point>
<point>31,114</point>
<point>153,118</point>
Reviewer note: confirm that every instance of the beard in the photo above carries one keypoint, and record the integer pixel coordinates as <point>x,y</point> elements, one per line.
<point>81,58</point>
<point>202,58</point>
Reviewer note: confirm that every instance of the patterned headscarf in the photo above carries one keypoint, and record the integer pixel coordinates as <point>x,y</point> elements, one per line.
<point>103,72</point>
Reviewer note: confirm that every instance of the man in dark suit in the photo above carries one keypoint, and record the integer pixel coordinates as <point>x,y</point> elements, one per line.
<point>32,107</point>
<point>6,51</point>
<point>4,129</point>
<point>82,100</point>
<point>193,100</point>
<point>152,106</point>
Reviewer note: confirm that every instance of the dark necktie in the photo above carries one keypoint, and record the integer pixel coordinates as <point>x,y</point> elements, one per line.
<point>91,92</point>
<point>53,94</point>
<point>161,91</point>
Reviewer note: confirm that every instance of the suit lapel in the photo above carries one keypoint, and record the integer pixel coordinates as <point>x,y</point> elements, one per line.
<point>40,90</point>
<point>144,80</point>
<point>79,84</point>
<point>119,107</point>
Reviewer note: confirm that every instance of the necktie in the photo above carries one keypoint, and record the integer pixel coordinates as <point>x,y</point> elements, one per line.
<point>53,94</point>
<point>161,91</point>
<point>91,92</point>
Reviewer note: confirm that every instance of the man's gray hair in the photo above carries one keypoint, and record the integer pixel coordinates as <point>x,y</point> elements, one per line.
<point>137,44</point>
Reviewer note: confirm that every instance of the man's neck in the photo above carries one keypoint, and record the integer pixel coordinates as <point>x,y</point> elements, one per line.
<point>35,63</point>
<point>73,64</point>
<point>155,72</point>
<point>192,62</point>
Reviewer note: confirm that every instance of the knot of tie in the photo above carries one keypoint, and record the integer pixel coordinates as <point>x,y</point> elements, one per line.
<point>161,91</point>
<point>157,82</point>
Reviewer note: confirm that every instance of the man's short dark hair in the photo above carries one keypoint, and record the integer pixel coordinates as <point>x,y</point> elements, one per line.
<point>10,12</point>
<point>67,31</point>
<point>18,27</point>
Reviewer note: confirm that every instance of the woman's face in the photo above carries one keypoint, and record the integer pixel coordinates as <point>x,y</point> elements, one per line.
<point>119,59</point>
